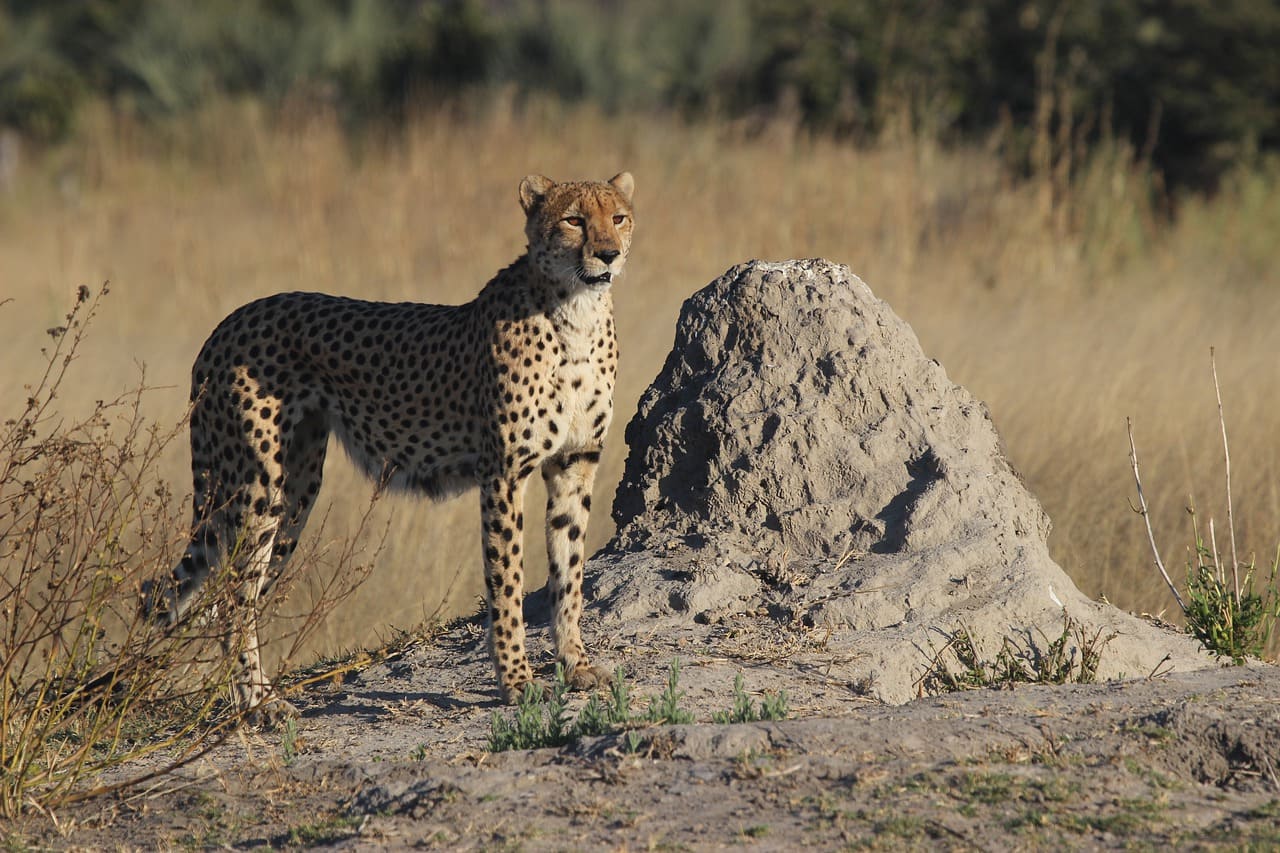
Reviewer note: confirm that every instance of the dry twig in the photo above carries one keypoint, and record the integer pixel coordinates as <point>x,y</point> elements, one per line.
<point>1146,516</point>
<point>1226,456</point>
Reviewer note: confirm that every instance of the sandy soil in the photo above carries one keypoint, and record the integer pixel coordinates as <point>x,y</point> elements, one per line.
<point>396,756</point>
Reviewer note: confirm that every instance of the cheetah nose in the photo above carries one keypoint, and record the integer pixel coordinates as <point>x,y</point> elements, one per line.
<point>607,255</point>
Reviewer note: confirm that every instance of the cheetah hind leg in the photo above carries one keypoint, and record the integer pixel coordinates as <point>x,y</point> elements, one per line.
<point>304,462</point>
<point>254,695</point>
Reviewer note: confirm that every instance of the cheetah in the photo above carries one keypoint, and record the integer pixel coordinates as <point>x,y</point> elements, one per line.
<point>432,399</point>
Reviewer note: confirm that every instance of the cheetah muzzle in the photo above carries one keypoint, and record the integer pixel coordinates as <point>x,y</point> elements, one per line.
<point>431,399</point>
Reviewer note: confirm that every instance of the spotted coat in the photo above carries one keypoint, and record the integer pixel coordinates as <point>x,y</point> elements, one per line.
<point>430,399</point>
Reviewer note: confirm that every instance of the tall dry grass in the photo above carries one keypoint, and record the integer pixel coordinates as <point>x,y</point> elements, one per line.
<point>87,683</point>
<point>1066,306</point>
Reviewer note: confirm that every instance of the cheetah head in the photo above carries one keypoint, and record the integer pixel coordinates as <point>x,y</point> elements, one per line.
<point>579,233</point>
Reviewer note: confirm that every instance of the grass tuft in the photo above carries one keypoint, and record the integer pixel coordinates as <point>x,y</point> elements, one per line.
<point>772,706</point>
<point>665,709</point>
<point>1071,657</point>
<point>1231,615</point>
<point>542,719</point>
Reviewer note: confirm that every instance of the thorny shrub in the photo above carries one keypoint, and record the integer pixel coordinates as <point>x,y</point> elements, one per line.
<point>86,683</point>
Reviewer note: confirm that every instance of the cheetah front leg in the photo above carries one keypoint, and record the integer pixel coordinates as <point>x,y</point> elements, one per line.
<point>502,518</point>
<point>569,479</point>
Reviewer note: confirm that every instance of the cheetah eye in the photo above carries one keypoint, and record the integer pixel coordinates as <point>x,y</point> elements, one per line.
<point>575,221</point>
<point>619,218</point>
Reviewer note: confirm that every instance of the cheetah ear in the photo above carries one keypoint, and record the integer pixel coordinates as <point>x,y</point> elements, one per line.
<point>624,183</point>
<point>533,189</point>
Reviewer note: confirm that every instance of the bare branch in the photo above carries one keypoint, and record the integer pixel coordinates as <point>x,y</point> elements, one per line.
<point>1226,457</point>
<point>1146,517</point>
<point>1217,557</point>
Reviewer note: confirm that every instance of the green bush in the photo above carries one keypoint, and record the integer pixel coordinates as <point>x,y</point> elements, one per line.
<point>1230,622</point>
<point>542,719</point>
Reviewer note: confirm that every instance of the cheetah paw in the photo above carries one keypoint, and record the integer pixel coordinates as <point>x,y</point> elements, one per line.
<point>270,714</point>
<point>587,677</point>
<point>514,694</point>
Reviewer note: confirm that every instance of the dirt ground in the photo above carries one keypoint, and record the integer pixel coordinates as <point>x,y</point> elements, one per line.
<point>396,757</point>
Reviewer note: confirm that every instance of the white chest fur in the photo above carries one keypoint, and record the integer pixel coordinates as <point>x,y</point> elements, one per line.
<point>579,321</point>
<point>584,387</point>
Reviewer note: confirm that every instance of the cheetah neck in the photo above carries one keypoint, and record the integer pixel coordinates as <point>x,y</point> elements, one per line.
<point>579,322</point>
<point>577,311</point>
<point>581,315</point>
<point>582,312</point>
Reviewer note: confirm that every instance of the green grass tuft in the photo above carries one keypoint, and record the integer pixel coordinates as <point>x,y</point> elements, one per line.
<point>773,706</point>
<point>1071,657</point>
<point>542,719</point>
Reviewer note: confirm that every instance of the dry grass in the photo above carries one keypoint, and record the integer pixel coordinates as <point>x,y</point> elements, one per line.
<point>1064,317</point>
<point>87,683</point>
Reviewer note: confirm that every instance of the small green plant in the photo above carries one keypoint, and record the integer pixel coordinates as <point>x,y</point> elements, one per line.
<point>324,831</point>
<point>666,710</point>
<point>773,706</point>
<point>1224,608</point>
<point>558,721</point>
<point>602,716</point>
<point>632,741</point>
<point>619,708</point>
<point>594,719</point>
<point>532,727</point>
<point>970,673</point>
<point>544,720</point>
<point>1071,657</point>
<point>289,740</point>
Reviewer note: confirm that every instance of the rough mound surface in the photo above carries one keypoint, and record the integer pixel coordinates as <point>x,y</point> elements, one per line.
<point>800,458</point>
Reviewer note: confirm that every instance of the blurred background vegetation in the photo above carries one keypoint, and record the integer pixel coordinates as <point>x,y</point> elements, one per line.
<point>1193,85</point>
<point>1068,201</point>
